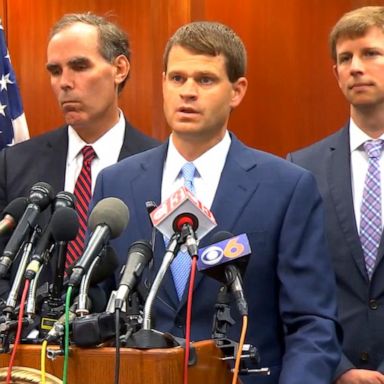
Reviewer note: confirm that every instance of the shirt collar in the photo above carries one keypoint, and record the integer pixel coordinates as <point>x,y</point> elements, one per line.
<point>215,155</point>
<point>100,146</point>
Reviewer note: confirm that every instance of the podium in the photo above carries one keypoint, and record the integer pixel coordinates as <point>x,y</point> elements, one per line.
<point>96,365</point>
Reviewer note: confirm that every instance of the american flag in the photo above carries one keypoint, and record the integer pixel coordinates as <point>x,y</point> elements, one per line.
<point>13,125</point>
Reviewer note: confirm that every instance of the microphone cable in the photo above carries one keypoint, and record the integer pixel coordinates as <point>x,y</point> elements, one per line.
<point>18,331</point>
<point>188,318</point>
<point>240,349</point>
<point>66,333</point>
<point>117,342</point>
<point>42,360</point>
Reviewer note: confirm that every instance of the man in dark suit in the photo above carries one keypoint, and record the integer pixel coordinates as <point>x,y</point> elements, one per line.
<point>290,291</point>
<point>88,61</point>
<point>342,169</point>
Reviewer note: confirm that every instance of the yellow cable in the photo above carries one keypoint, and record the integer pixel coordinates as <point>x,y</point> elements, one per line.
<point>240,350</point>
<point>42,357</point>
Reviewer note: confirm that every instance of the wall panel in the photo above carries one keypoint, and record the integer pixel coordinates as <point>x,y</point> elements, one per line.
<point>292,98</point>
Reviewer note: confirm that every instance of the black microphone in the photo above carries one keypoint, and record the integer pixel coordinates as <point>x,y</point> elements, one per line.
<point>64,213</point>
<point>64,228</point>
<point>40,197</point>
<point>107,220</point>
<point>12,214</point>
<point>225,260</point>
<point>139,255</point>
<point>64,199</point>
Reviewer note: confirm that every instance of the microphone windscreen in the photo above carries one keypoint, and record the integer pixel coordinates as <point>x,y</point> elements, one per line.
<point>64,199</point>
<point>41,194</point>
<point>16,208</point>
<point>111,212</point>
<point>107,266</point>
<point>64,224</point>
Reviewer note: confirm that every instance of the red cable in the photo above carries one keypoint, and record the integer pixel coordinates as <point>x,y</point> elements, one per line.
<point>188,319</point>
<point>18,332</point>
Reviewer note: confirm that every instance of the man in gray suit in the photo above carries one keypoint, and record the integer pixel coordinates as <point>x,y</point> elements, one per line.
<point>346,170</point>
<point>88,62</point>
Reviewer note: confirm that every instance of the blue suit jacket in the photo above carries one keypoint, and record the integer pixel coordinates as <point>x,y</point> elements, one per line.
<point>288,282</point>
<point>360,301</point>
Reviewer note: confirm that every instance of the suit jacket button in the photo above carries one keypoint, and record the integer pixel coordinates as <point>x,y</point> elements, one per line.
<point>373,304</point>
<point>364,356</point>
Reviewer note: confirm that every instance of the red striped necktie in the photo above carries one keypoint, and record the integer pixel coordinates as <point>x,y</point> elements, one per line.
<point>83,193</point>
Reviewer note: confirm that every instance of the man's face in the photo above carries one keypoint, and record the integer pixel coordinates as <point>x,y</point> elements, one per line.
<point>84,83</point>
<point>360,68</point>
<point>198,96</point>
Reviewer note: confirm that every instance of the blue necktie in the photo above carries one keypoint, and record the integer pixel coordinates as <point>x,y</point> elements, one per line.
<point>181,266</point>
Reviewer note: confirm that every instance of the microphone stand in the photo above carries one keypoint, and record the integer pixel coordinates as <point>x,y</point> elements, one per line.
<point>14,292</point>
<point>146,337</point>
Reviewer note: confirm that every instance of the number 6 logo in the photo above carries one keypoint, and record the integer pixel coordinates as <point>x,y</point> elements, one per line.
<point>233,248</point>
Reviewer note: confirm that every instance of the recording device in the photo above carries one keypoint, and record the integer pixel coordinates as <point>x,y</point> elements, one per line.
<point>107,220</point>
<point>12,214</point>
<point>139,256</point>
<point>40,197</point>
<point>225,261</point>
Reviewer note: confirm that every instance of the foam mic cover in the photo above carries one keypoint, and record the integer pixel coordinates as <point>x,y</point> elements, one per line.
<point>111,212</point>
<point>64,224</point>
<point>107,220</point>
<point>12,214</point>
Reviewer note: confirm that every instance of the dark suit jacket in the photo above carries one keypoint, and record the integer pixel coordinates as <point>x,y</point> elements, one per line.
<point>43,158</point>
<point>360,301</point>
<point>289,287</point>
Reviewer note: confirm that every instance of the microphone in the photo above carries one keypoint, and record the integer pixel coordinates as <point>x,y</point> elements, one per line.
<point>63,222</point>
<point>40,197</point>
<point>107,221</point>
<point>225,261</point>
<point>139,256</point>
<point>12,214</point>
<point>64,199</point>
<point>166,217</point>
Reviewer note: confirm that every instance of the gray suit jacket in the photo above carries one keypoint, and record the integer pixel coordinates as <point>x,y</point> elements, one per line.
<point>43,158</point>
<point>360,301</point>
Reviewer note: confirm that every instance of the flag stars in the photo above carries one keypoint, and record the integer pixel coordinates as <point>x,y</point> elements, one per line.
<point>4,81</point>
<point>2,109</point>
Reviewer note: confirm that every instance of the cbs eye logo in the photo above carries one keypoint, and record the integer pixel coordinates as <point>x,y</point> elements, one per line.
<point>213,254</point>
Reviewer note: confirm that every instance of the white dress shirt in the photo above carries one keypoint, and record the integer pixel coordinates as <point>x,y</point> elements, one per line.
<point>209,167</point>
<point>359,167</point>
<point>107,149</point>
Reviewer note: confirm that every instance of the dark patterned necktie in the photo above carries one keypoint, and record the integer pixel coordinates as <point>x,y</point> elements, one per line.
<point>83,193</point>
<point>370,222</point>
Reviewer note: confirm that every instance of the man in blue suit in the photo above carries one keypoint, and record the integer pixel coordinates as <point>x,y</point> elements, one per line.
<point>340,165</point>
<point>288,283</point>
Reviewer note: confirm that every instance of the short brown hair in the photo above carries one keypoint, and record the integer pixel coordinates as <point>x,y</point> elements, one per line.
<point>113,41</point>
<point>355,24</point>
<point>211,38</point>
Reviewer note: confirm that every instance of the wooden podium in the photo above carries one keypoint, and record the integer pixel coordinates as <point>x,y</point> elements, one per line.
<point>153,366</point>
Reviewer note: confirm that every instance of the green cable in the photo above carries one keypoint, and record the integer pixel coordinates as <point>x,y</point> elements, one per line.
<point>66,334</point>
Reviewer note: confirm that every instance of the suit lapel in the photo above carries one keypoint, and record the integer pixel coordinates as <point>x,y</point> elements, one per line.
<point>339,179</point>
<point>150,175</point>
<point>54,155</point>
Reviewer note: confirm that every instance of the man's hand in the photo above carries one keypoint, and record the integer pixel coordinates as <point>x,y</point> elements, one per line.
<point>360,376</point>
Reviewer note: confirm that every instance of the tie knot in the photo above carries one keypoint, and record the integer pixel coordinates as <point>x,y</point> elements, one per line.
<point>88,154</point>
<point>188,171</point>
<point>373,148</point>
